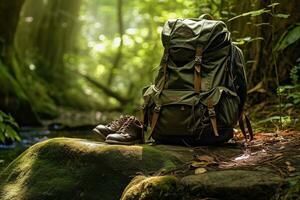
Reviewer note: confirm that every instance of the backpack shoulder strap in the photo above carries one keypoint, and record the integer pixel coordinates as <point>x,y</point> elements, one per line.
<point>164,61</point>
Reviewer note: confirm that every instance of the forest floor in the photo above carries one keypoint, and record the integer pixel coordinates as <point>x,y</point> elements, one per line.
<point>276,136</point>
<point>279,151</point>
<point>268,165</point>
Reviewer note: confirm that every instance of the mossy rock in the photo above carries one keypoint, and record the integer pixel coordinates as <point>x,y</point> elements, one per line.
<point>157,187</point>
<point>64,168</point>
<point>225,185</point>
<point>233,185</point>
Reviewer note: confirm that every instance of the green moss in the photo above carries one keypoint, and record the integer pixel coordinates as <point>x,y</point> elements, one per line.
<point>290,192</point>
<point>168,160</point>
<point>40,100</point>
<point>64,168</point>
<point>9,86</point>
<point>8,155</point>
<point>157,187</point>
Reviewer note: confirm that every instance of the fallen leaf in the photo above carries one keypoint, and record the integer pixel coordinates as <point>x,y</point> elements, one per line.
<point>200,170</point>
<point>196,164</point>
<point>276,155</point>
<point>291,168</point>
<point>205,158</point>
<point>288,163</point>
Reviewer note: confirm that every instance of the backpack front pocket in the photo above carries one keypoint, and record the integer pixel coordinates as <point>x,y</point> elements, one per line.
<point>177,116</point>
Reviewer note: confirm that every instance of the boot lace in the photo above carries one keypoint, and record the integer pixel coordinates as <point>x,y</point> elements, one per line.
<point>118,123</point>
<point>126,125</point>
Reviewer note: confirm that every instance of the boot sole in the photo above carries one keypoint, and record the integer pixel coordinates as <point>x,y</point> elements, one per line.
<point>103,137</point>
<point>123,143</point>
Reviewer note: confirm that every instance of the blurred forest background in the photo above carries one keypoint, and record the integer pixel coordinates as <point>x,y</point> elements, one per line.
<point>95,56</point>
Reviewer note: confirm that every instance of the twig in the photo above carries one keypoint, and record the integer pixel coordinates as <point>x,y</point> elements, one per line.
<point>282,174</point>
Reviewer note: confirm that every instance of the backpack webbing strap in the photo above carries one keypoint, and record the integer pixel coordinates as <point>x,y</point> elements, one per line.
<point>249,127</point>
<point>197,71</point>
<point>242,127</point>
<point>213,118</point>
<point>143,120</point>
<point>154,120</point>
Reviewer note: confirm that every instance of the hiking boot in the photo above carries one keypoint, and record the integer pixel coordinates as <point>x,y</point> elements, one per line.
<point>129,133</point>
<point>112,127</point>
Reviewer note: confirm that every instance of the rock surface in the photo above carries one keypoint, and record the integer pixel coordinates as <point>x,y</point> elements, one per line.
<point>78,169</point>
<point>234,184</point>
<point>65,168</point>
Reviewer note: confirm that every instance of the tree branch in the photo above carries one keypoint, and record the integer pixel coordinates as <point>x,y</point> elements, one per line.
<point>104,88</point>
<point>118,56</point>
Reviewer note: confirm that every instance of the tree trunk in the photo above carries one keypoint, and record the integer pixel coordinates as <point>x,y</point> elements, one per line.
<point>47,32</point>
<point>12,97</point>
<point>8,26</point>
<point>266,30</point>
<point>118,57</point>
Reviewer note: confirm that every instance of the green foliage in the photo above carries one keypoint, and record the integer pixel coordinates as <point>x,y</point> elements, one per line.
<point>259,12</point>
<point>103,56</point>
<point>291,92</point>
<point>251,13</point>
<point>118,44</point>
<point>8,128</point>
<point>289,37</point>
<point>245,40</point>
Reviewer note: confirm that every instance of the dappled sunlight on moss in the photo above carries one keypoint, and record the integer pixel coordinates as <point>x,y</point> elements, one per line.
<point>17,180</point>
<point>157,187</point>
<point>65,168</point>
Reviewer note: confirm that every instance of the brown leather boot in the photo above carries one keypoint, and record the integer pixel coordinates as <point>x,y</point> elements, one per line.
<point>112,127</point>
<point>129,133</point>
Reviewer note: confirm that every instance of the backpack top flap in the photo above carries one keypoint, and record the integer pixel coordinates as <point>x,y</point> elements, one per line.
<point>181,37</point>
<point>190,33</point>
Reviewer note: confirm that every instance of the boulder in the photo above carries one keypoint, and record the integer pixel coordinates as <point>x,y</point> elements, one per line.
<point>156,187</point>
<point>234,184</point>
<point>65,168</point>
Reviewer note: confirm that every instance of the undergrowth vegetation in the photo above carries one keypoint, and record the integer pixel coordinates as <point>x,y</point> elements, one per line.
<point>8,129</point>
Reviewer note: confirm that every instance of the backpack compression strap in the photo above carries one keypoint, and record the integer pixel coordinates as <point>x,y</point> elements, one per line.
<point>197,86</point>
<point>161,83</point>
<point>213,117</point>
<point>197,72</point>
<point>154,119</point>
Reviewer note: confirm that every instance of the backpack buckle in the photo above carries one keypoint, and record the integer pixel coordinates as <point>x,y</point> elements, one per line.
<point>211,112</point>
<point>157,108</point>
<point>165,57</point>
<point>198,60</point>
<point>213,117</point>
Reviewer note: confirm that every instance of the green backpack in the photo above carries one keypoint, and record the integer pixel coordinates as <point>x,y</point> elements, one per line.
<point>200,90</point>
